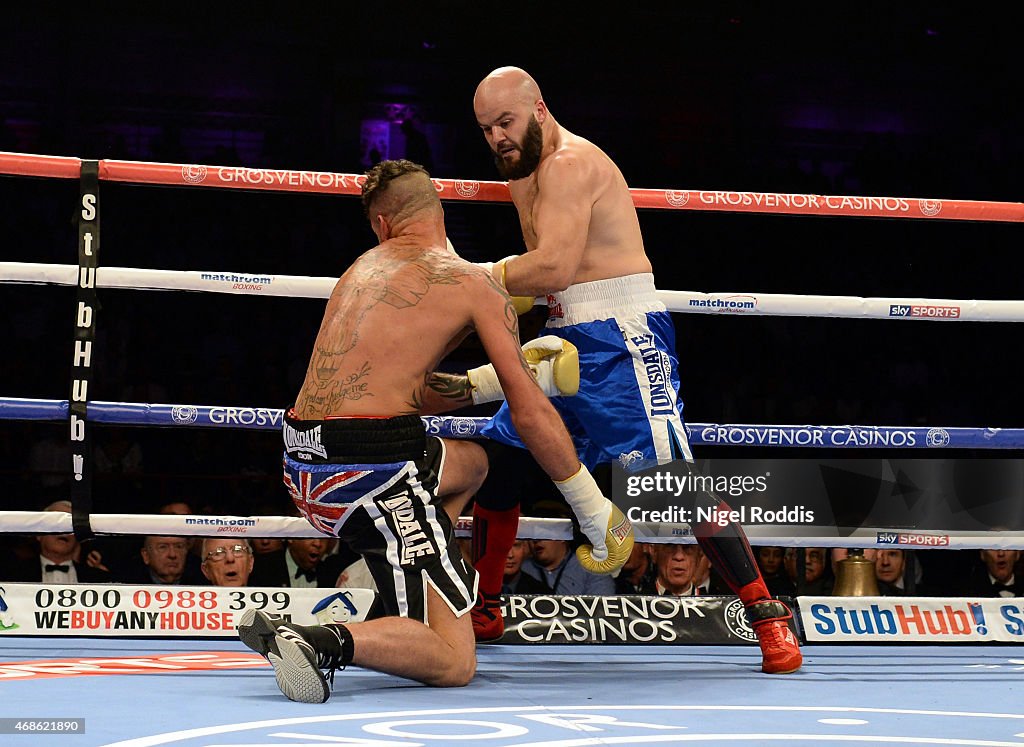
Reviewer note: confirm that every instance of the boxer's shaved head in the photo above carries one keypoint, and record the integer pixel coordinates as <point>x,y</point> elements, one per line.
<point>507,84</point>
<point>511,112</point>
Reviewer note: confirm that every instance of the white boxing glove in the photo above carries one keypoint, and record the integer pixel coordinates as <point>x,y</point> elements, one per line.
<point>555,364</point>
<point>609,531</point>
<point>484,385</point>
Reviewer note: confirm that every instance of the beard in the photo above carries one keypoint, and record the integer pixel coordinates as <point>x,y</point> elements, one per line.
<point>529,154</point>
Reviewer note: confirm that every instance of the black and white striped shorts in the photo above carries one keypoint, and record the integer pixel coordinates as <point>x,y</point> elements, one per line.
<point>408,542</point>
<point>373,482</point>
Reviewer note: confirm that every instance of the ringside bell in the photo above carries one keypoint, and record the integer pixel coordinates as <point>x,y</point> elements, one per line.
<point>855,576</point>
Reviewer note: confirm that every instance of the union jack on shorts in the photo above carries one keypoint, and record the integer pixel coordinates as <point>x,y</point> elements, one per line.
<point>324,492</point>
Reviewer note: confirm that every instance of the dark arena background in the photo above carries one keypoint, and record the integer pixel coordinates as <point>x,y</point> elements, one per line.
<point>904,101</point>
<point>908,103</point>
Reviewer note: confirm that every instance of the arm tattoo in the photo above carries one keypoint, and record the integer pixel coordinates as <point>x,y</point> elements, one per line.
<point>510,309</point>
<point>511,322</point>
<point>450,386</point>
<point>512,325</point>
<point>524,364</point>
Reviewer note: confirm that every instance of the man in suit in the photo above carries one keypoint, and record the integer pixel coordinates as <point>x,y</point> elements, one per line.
<point>515,581</point>
<point>302,563</point>
<point>557,567</point>
<point>164,560</point>
<point>890,570</point>
<point>770,559</point>
<point>677,567</point>
<point>57,561</point>
<point>227,561</point>
<point>637,575</point>
<point>998,578</point>
<point>818,579</point>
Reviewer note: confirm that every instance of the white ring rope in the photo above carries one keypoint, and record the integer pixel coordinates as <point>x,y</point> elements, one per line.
<point>779,535</point>
<point>179,525</point>
<point>757,304</point>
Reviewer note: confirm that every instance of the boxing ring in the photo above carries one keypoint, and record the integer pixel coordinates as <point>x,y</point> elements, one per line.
<point>552,696</point>
<point>197,687</point>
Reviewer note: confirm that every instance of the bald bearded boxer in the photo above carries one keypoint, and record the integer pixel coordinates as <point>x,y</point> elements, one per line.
<point>585,252</point>
<point>358,463</point>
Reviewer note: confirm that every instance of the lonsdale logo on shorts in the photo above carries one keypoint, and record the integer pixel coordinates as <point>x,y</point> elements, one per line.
<point>303,444</point>
<point>657,367</point>
<point>414,540</point>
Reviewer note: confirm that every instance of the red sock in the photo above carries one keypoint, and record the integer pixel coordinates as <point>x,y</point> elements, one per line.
<point>755,591</point>
<point>494,533</point>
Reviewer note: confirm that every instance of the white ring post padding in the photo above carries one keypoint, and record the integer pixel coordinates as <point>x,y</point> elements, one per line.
<point>752,304</point>
<point>185,525</point>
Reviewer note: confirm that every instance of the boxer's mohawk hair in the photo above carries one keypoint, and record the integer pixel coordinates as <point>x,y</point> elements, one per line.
<point>379,178</point>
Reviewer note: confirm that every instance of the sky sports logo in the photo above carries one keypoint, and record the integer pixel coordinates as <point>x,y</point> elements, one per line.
<point>934,312</point>
<point>916,540</point>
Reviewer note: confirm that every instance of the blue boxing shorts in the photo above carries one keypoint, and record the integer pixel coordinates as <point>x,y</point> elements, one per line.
<point>628,407</point>
<point>372,482</point>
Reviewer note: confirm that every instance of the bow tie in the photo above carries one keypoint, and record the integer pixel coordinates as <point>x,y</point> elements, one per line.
<point>310,576</point>
<point>998,587</point>
<point>62,568</point>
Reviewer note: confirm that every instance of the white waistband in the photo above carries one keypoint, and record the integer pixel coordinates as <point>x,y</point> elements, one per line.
<point>603,299</point>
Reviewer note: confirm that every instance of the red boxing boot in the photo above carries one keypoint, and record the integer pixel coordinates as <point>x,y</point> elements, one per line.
<point>780,651</point>
<point>488,624</point>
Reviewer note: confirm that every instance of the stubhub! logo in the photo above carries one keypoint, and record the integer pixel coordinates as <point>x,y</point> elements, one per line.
<point>899,619</point>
